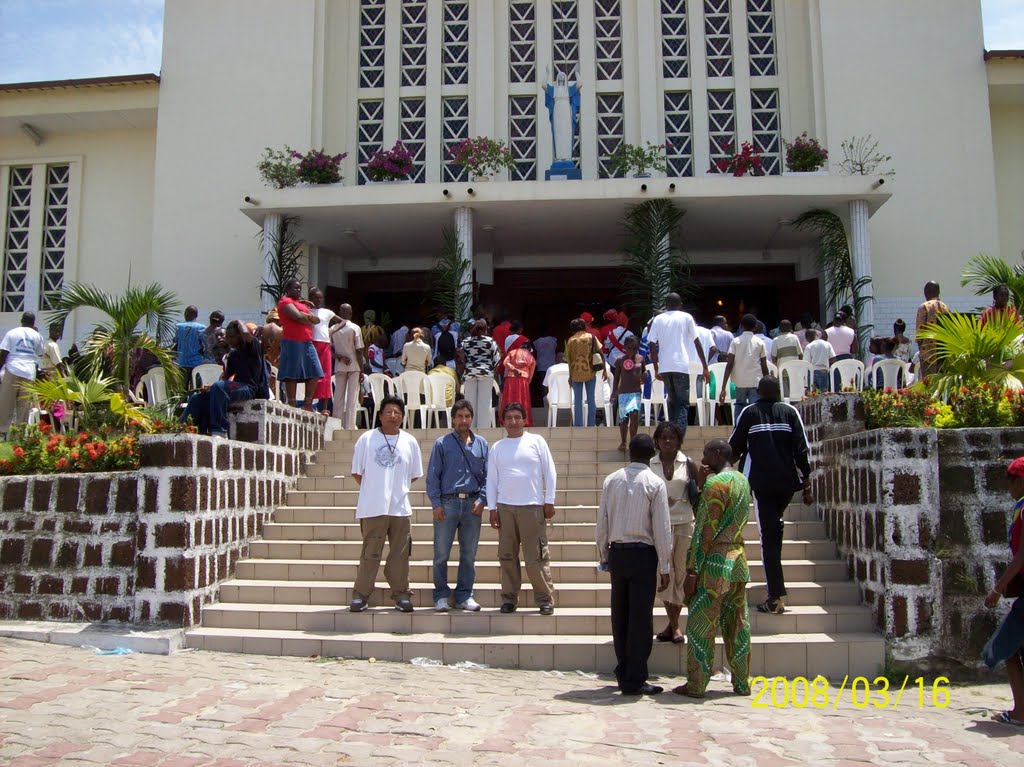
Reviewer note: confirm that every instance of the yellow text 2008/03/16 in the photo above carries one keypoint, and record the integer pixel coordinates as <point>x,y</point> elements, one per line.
<point>880,693</point>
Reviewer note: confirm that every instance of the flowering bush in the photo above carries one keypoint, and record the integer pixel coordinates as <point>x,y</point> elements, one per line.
<point>805,154</point>
<point>633,157</point>
<point>391,164</point>
<point>277,168</point>
<point>748,160</point>
<point>481,156</point>
<point>39,450</point>
<point>890,408</point>
<point>318,167</point>
<point>978,406</point>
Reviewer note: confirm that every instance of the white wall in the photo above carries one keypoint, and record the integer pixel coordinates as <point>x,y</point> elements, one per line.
<point>237,76</point>
<point>1008,149</point>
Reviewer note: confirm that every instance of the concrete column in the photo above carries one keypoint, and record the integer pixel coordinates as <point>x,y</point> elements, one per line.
<point>271,236</point>
<point>463,219</point>
<point>860,255</point>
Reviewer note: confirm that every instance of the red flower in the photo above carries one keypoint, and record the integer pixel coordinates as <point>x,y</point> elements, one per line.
<point>18,452</point>
<point>45,428</point>
<point>62,463</point>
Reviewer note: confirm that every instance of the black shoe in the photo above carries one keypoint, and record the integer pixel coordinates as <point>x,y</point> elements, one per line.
<point>647,689</point>
<point>547,609</point>
<point>403,605</point>
<point>358,605</point>
<point>507,607</point>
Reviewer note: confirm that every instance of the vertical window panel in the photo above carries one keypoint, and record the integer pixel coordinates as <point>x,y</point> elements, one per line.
<point>718,37</point>
<point>610,130</point>
<point>679,133</point>
<point>608,39</point>
<point>413,124</point>
<point>371,43</point>
<point>370,132</point>
<point>522,132</point>
<point>454,128</point>
<point>455,37</point>
<point>414,43</point>
<point>675,52</point>
<point>19,204</point>
<point>522,41</point>
<point>764,112</point>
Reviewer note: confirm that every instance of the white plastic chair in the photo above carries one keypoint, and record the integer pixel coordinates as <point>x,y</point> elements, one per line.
<point>851,375</point>
<point>559,395</point>
<point>602,398</point>
<point>657,400</point>
<point>206,374</point>
<point>894,374</point>
<point>699,393</point>
<point>773,369</point>
<point>154,382</point>
<point>796,379</point>
<point>717,372</point>
<point>415,389</point>
<point>437,405</point>
<point>380,387</point>
<point>497,400</point>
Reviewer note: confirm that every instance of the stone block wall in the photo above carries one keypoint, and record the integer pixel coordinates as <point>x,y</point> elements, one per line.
<point>150,545</point>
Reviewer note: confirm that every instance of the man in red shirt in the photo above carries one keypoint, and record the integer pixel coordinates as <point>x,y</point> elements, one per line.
<point>500,333</point>
<point>1000,305</point>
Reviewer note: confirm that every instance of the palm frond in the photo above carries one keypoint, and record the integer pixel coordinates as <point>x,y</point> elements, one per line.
<point>970,354</point>
<point>984,273</point>
<point>77,295</point>
<point>449,288</point>
<point>285,259</point>
<point>655,263</point>
<point>832,253</point>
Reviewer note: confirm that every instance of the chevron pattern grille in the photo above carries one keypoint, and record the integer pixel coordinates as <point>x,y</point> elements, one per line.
<point>761,37</point>
<point>721,125</point>
<point>414,43</point>
<point>610,130</point>
<point>19,204</point>
<point>675,52</point>
<point>55,234</point>
<point>522,132</point>
<point>522,41</point>
<point>454,128</point>
<point>455,51</point>
<point>413,124</point>
<point>371,133</point>
<point>608,39</point>
<point>764,111</point>
<point>565,38</point>
<point>718,37</point>
<point>679,133</point>
<point>371,43</point>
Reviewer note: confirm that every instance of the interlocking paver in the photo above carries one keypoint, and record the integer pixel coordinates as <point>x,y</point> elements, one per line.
<point>68,706</point>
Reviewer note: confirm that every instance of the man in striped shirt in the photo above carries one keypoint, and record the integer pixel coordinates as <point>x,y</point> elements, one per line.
<point>769,437</point>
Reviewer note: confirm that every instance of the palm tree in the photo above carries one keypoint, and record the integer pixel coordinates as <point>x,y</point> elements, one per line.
<point>449,288</point>
<point>286,258</point>
<point>970,354</point>
<point>140,318</point>
<point>984,273</point>
<point>832,254</point>
<point>655,264</point>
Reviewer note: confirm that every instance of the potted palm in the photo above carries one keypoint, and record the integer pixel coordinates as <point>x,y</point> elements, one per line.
<point>805,156</point>
<point>481,157</point>
<point>639,159</point>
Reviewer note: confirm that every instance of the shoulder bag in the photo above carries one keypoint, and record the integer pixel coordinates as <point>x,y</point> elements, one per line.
<point>596,360</point>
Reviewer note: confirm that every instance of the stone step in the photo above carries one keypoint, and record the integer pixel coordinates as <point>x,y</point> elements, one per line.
<point>558,433</point>
<point>339,593</point>
<point>559,551</point>
<point>831,655</point>
<point>590,481</point>
<point>330,466</point>
<point>563,455</point>
<point>583,621</point>
<point>339,524</point>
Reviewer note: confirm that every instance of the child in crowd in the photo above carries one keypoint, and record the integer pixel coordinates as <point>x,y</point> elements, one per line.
<point>629,381</point>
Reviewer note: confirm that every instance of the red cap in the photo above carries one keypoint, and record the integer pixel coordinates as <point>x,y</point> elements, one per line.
<point>587,317</point>
<point>1016,468</point>
<point>611,315</point>
<point>622,319</point>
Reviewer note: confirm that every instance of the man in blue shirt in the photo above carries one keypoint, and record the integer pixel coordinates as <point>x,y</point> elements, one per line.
<point>188,342</point>
<point>456,482</point>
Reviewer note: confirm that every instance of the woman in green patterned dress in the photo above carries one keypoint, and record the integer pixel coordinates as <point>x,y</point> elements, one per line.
<point>717,574</point>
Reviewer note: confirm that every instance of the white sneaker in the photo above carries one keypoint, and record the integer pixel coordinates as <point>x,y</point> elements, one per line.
<point>470,605</point>
<point>441,605</point>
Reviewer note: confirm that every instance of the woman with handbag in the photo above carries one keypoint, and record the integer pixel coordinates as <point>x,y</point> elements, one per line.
<point>715,587</point>
<point>1007,644</point>
<point>583,355</point>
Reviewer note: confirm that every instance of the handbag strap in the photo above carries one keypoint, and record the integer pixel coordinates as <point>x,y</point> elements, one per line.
<point>462,449</point>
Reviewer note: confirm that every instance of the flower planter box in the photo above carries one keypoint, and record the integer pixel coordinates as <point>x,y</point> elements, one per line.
<point>819,172</point>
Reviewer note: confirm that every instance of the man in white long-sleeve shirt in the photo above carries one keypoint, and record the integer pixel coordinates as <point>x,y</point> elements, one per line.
<point>521,496</point>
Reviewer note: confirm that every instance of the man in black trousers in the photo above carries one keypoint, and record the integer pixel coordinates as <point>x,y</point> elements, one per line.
<point>634,539</point>
<point>769,437</point>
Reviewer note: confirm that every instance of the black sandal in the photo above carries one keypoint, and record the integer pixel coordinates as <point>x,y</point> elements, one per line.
<point>771,607</point>
<point>664,636</point>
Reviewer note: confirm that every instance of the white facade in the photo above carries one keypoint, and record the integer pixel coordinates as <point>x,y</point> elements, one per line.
<point>355,75</point>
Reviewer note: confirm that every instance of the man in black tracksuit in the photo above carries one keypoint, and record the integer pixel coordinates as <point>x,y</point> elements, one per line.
<point>769,437</point>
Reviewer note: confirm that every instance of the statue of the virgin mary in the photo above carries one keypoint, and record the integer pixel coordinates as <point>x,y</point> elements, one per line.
<point>562,99</point>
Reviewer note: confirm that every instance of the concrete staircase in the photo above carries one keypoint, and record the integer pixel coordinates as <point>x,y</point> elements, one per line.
<point>291,596</point>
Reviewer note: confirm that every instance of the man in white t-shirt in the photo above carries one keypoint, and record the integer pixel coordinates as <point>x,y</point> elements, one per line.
<point>51,361</point>
<point>722,336</point>
<point>20,350</point>
<point>521,496</point>
<point>818,354</point>
<point>385,462</point>
<point>785,346</point>
<point>746,364</point>
<point>673,340</point>
<point>348,367</point>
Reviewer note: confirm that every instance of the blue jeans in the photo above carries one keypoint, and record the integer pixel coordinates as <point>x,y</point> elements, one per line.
<point>209,409</point>
<point>578,388</point>
<point>821,380</point>
<point>745,395</point>
<point>1009,637</point>
<point>458,517</point>
<point>677,392</point>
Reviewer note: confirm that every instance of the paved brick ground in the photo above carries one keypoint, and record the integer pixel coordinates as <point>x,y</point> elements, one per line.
<point>69,706</point>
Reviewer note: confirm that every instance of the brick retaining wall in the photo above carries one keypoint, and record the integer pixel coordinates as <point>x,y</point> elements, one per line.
<point>150,545</point>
